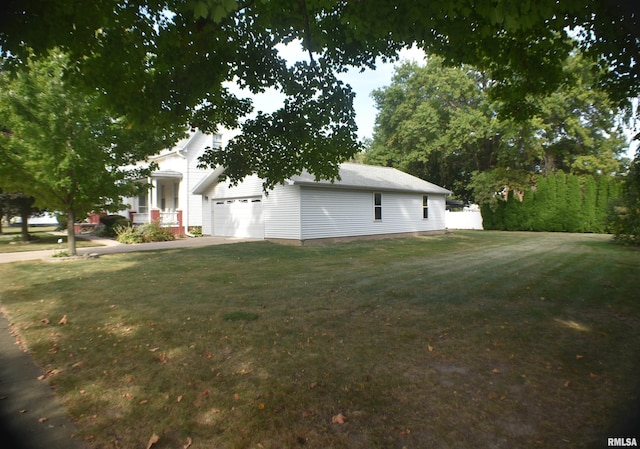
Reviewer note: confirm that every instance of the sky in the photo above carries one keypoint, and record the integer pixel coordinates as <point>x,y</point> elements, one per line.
<point>362,83</point>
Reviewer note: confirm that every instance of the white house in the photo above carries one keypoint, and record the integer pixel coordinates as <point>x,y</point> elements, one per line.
<point>366,201</point>
<point>170,200</point>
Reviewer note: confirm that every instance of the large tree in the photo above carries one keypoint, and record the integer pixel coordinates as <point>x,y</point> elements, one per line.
<point>441,123</point>
<point>58,146</point>
<point>17,204</point>
<point>174,56</point>
<point>438,123</point>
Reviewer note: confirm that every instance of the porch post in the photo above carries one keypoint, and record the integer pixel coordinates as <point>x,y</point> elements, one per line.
<point>153,197</point>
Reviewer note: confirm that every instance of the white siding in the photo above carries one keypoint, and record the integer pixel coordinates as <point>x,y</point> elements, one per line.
<point>207,215</point>
<point>342,213</point>
<point>191,204</point>
<point>282,213</point>
<point>437,208</point>
<point>251,186</point>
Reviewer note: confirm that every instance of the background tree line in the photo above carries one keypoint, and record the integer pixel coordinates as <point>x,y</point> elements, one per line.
<point>546,172</point>
<point>154,68</point>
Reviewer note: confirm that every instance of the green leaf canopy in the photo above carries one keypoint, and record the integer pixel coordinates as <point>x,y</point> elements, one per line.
<point>60,147</point>
<point>166,62</point>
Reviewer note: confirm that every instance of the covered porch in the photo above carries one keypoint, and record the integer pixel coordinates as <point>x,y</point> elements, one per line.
<point>161,204</point>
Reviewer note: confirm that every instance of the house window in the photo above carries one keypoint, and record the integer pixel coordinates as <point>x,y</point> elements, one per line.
<point>142,204</point>
<point>425,206</point>
<point>377,206</point>
<point>163,200</point>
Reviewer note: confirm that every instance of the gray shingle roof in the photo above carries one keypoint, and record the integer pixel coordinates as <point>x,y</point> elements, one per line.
<point>360,176</point>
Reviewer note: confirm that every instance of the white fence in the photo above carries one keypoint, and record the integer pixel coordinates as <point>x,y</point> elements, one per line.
<point>468,219</point>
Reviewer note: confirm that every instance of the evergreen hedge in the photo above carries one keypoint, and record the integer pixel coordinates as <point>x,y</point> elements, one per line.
<point>558,203</point>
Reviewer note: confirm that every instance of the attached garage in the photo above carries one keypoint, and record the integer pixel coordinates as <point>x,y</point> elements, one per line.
<point>365,201</point>
<point>238,217</point>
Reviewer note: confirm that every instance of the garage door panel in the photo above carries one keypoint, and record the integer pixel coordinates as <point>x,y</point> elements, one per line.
<point>238,217</point>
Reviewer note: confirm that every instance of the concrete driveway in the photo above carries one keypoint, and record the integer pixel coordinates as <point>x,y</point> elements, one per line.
<point>112,247</point>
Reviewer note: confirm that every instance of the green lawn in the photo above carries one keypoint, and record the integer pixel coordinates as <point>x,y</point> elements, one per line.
<point>467,340</point>
<point>42,239</point>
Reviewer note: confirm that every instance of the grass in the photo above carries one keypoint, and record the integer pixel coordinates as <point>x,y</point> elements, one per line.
<point>475,339</point>
<point>42,240</point>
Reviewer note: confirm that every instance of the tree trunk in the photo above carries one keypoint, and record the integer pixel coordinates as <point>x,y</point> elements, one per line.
<point>24,227</point>
<point>71,235</point>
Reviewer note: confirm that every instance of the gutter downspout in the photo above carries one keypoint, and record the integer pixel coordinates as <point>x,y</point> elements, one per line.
<point>185,215</point>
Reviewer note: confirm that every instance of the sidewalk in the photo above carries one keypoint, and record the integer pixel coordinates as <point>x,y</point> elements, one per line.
<point>110,246</point>
<point>30,415</point>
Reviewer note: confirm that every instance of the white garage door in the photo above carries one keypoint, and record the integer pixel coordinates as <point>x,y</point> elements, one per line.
<point>238,217</point>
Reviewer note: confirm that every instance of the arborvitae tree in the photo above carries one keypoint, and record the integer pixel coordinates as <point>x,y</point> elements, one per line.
<point>512,218</point>
<point>572,210</point>
<point>487,217</point>
<point>540,204</point>
<point>626,224</point>
<point>557,220</point>
<point>527,210</point>
<point>589,205</point>
<point>602,203</point>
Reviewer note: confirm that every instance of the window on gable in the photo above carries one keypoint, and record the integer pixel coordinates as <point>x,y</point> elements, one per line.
<point>425,206</point>
<point>377,206</point>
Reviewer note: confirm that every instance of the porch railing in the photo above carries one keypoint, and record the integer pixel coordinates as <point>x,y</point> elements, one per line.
<point>165,218</point>
<point>140,218</point>
<point>169,219</point>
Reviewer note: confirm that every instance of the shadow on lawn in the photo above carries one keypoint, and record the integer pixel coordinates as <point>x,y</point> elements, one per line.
<point>146,348</point>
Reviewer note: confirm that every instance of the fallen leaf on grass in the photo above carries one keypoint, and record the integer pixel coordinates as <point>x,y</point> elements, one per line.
<point>339,419</point>
<point>186,446</point>
<point>430,348</point>
<point>179,398</point>
<point>45,320</point>
<point>579,357</point>
<point>41,420</point>
<point>496,371</point>
<point>593,376</point>
<point>63,320</point>
<point>153,440</point>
